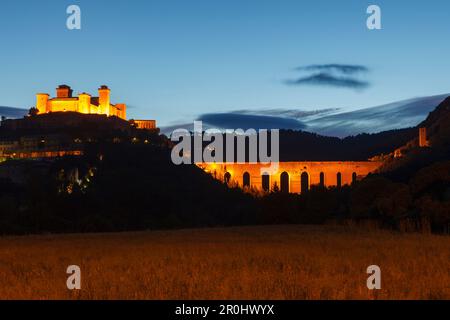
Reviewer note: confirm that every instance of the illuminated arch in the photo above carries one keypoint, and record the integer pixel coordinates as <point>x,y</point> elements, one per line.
<point>284,182</point>
<point>339,180</point>
<point>322,180</point>
<point>265,182</point>
<point>354,177</point>
<point>304,182</point>
<point>227,177</point>
<point>246,180</point>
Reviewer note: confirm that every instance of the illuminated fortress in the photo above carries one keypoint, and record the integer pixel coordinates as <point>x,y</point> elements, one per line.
<point>47,131</point>
<point>84,103</point>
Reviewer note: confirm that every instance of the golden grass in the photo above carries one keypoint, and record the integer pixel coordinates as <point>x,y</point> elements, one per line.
<point>280,262</point>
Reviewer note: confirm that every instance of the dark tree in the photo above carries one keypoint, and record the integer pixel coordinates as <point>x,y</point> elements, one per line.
<point>33,111</point>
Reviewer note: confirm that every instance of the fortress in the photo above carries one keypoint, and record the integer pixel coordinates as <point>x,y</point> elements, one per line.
<point>87,104</point>
<point>57,126</point>
<point>84,103</point>
<point>291,177</point>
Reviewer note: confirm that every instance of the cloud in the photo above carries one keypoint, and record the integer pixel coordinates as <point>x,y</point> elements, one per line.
<point>248,121</point>
<point>333,75</point>
<point>330,122</point>
<point>327,79</point>
<point>264,118</point>
<point>334,67</point>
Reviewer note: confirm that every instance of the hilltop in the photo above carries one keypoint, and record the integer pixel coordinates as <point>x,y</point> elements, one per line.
<point>438,125</point>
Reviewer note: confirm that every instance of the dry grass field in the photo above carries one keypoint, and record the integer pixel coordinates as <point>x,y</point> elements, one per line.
<point>280,262</point>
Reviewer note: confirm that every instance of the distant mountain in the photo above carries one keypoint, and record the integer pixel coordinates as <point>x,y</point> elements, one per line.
<point>12,113</point>
<point>328,122</point>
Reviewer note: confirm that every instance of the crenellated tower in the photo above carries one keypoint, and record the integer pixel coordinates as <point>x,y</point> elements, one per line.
<point>104,100</point>
<point>84,103</point>
<point>64,91</point>
<point>42,102</point>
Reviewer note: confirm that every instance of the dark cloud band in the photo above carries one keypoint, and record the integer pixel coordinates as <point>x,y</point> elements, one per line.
<point>247,121</point>
<point>334,67</point>
<point>327,79</point>
<point>333,75</point>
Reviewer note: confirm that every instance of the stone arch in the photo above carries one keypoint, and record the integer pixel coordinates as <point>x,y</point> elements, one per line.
<point>227,177</point>
<point>339,180</point>
<point>354,177</point>
<point>304,182</point>
<point>246,180</point>
<point>265,182</point>
<point>284,182</point>
<point>322,180</point>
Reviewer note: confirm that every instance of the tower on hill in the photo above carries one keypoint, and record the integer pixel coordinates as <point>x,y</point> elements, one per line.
<point>423,140</point>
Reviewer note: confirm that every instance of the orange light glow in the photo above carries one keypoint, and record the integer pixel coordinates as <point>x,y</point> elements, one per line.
<point>329,173</point>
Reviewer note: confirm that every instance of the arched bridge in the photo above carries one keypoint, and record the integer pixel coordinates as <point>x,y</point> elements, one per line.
<point>293,177</point>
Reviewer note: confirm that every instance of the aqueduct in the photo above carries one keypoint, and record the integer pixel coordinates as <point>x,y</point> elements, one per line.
<point>293,177</point>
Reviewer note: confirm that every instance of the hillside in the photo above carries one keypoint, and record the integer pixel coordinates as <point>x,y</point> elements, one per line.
<point>438,125</point>
<point>126,182</point>
<point>305,146</point>
<point>415,158</point>
<point>73,123</point>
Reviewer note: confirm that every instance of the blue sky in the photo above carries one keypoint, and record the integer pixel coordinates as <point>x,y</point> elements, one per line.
<point>174,60</point>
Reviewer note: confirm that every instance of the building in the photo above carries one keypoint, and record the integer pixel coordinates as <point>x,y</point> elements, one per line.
<point>144,124</point>
<point>83,103</point>
<point>39,146</point>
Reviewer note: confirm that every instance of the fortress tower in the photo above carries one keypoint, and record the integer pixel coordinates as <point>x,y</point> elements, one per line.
<point>64,91</point>
<point>84,103</point>
<point>423,141</point>
<point>42,102</point>
<point>104,100</point>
